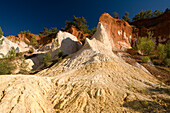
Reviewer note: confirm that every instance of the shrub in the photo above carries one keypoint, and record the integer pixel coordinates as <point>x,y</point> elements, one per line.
<point>34,42</point>
<point>167,49</point>
<point>1,41</point>
<point>161,52</point>
<point>145,59</point>
<point>6,67</point>
<point>60,53</point>
<point>31,50</point>
<point>56,43</point>
<point>146,45</point>
<point>1,33</point>
<point>167,62</point>
<point>47,59</point>
<point>11,53</point>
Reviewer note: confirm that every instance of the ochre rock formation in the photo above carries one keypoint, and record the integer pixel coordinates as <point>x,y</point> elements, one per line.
<point>92,80</point>
<point>27,37</point>
<point>119,31</point>
<point>160,26</point>
<point>79,34</point>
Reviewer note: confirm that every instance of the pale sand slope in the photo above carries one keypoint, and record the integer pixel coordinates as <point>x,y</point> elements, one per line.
<point>91,80</point>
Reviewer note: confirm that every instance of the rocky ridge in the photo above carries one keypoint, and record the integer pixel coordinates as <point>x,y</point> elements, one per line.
<point>94,79</point>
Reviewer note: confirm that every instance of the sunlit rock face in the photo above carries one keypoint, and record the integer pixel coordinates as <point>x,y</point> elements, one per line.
<point>68,43</point>
<point>118,31</point>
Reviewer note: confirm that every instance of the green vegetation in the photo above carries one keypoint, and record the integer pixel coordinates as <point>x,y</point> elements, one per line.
<point>60,53</point>
<point>146,14</point>
<point>126,17</point>
<point>145,59</point>
<point>115,15</point>
<point>1,41</point>
<point>161,52</point>
<point>34,42</point>
<point>56,43</point>
<point>81,24</point>
<point>167,62</point>
<point>167,49</point>
<point>6,67</point>
<point>146,45</point>
<point>25,32</point>
<point>48,32</point>
<point>31,50</point>
<point>47,59</point>
<point>1,33</point>
<point>11,53</point>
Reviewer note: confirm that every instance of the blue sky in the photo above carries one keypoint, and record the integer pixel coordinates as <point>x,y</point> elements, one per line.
<point>34,15</point>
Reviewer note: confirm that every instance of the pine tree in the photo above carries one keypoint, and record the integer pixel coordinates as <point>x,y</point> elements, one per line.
<point>115,15</point>
<point>1,33</point>
<point>126,17</point>
<point>33,41</point>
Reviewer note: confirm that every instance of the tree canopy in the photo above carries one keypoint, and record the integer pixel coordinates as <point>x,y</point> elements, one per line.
<point>81,24</point>
<point>33,41</point>
<point>47,32</point>
<point>115,15</point>
<point>126,17</point>
<point>146,14</point>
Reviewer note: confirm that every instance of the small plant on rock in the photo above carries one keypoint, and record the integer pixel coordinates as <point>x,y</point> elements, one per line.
<point>47,59</point>
<point>145,59</point>
<point>11,53</point>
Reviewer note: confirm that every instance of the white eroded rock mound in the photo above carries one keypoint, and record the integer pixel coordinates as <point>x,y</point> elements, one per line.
<point>93,80</point>
<point>68,43</point>
<point>7,44</point>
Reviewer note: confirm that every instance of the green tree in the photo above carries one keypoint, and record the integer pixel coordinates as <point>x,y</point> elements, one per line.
<point>93,30</point>
<point>33,41</point>
<point>47,32</point>
<point>47,59</point>
<point>126,17</point>
<point>146,14</point>
<point>1,33</point>
<point>115,15</point>
<point>145,44</point>
<point>161,52</point>
<point>11,53</point>
<point>167,49</point>
<point>157,13</point>
<point>6,67</point>
<point>79,22</point>
<point>145,59</point>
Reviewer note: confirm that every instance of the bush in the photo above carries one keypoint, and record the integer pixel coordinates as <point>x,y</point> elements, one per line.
<point>6,67</point>
<point>34,42</point>
<point>167,49</point>
<point>146,45</point>
<point>1,33</point>
<point>167,62</point>
<point>161,52</point>
<point>60,53</point>
<point>31,50</point>
<point>47,59</point>
<point>11,53</point>
<point>145,59</point>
